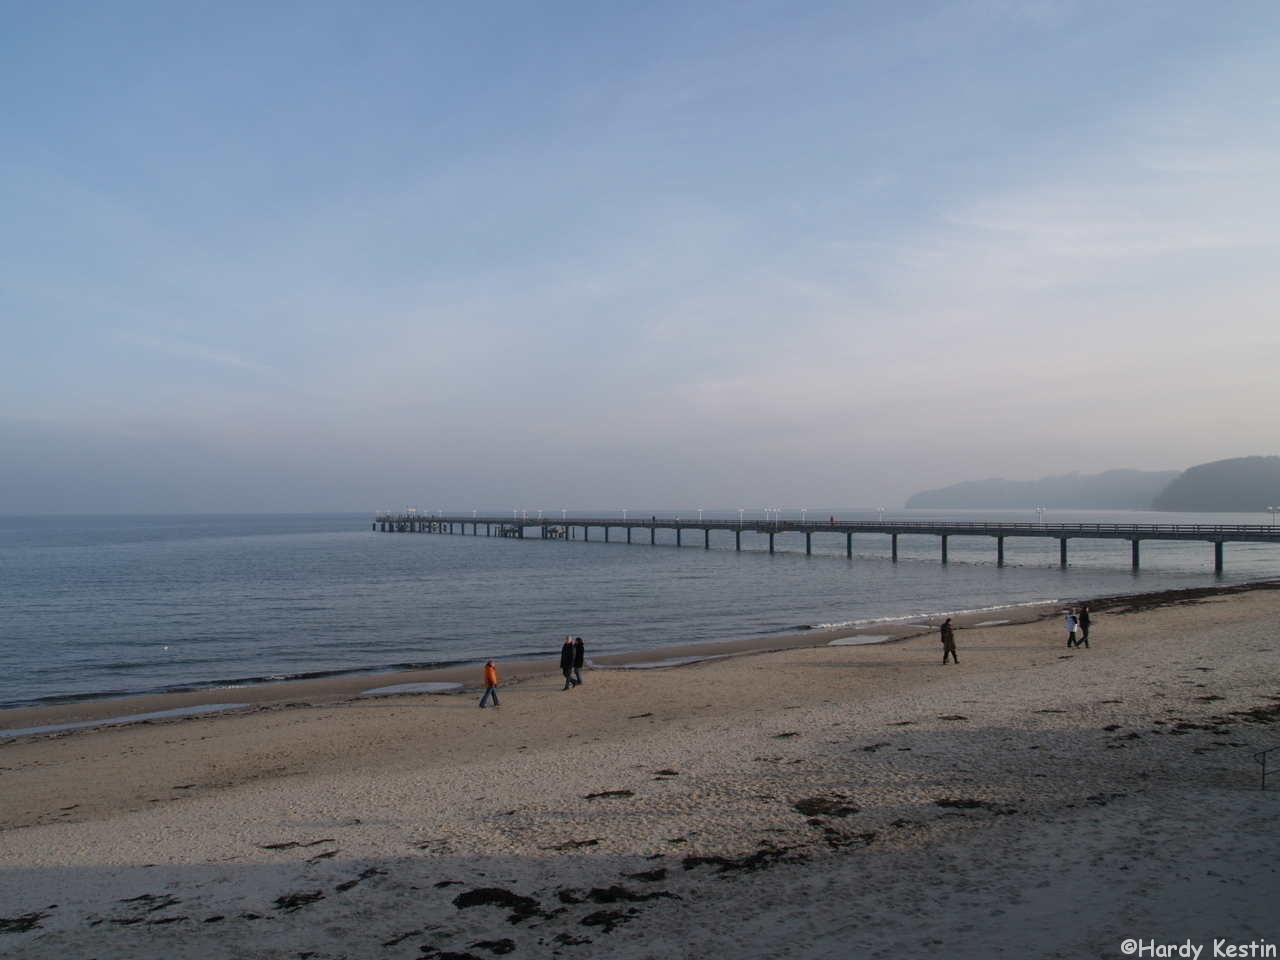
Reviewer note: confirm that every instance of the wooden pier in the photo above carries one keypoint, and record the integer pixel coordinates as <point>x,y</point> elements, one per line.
<point>1216,535</point>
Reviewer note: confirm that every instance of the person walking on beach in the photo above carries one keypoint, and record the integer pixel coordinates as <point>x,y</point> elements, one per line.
<point>948,643</point>
<point>566,664</point>
<point>490,684</point>
<point>1073,624</point>
<point>579,657</point>
<point>1084,626</point>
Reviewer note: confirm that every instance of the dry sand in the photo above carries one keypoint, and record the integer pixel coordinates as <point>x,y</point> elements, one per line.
<point>816,801</point>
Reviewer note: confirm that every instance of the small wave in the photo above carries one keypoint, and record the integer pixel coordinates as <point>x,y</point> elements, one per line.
<point>128,718</point>
<point>398,688</point>
<point>913,618</point>
<point>656,664</point>
<point>864,639</point>
<point>232,683</point>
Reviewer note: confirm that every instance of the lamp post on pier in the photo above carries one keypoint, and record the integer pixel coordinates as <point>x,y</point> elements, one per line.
<point>1274,511</point>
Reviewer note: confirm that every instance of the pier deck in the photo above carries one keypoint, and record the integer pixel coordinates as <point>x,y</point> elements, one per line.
<point>550,528</point>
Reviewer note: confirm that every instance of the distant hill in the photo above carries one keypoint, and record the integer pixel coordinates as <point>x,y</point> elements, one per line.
<point>1113,490</point>
<point>1237,485</point>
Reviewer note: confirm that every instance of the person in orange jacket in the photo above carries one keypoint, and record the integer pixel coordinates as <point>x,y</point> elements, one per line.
<point>490,684</point>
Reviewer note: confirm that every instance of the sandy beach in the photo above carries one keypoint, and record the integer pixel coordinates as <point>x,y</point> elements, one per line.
<point>813,800</point>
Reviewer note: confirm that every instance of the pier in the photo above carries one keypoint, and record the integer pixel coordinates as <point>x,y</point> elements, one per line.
<point>1216,535</point>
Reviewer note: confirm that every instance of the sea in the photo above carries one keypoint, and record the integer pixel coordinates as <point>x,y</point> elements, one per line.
<point>106,606</point>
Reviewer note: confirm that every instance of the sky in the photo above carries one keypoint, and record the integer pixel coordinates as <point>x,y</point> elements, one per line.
<point>345,256</point>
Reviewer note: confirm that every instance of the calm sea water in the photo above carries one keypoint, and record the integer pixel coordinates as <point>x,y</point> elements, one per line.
<point>111,605</point>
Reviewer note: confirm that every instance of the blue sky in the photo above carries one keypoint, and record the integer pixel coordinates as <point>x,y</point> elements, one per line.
<point>335,256</point>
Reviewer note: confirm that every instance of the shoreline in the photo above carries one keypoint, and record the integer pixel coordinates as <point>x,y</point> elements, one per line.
<point>785,804</point>
<point>92,713</point>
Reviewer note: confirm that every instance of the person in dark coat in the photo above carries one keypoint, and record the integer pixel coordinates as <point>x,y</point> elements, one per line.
<point>579,656</point>
<point>1084,626</point>
<point>948,638</point>
<point>566,664</point>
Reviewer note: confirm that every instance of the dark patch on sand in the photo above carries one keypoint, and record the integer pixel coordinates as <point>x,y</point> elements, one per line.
<point>832,805</point>
<point>499,947</point>
<point>966,803</point>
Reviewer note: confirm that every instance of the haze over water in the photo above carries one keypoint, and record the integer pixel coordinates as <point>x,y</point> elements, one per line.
<point>101,606</point>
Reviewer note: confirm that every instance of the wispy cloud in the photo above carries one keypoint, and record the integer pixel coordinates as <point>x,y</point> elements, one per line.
<point>188,350</point>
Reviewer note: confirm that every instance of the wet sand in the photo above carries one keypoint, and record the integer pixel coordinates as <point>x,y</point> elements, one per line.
<point>815,801</point>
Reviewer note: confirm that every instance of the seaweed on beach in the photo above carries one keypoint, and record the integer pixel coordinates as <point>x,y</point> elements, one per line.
<point>296,901</point>
<point>613,894</point>
<point>22,923</point>
<point>574,844</point>
<point>1269,714</point>
<point>290,844</point>
<point>648,876</point>
<point>603,794</point>
<point>838,838</point>
<point>762,858</point>
<point>522,908</point>
<point>364,875</point>
<point>401,937</point>
<point>1138,603</point>
<point>153,901</point>
<point>606,920</point>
